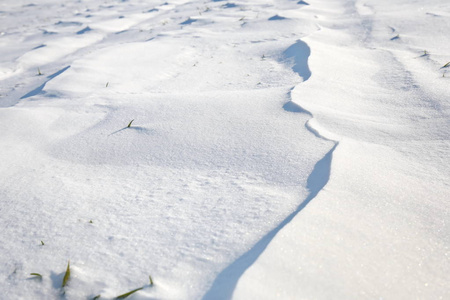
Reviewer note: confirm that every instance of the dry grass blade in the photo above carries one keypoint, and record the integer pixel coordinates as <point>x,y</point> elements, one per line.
<point>151,280</point>
<point>129,293</point>
<point>446,65</point>
<point>67,275</point>
<point>96,297</point>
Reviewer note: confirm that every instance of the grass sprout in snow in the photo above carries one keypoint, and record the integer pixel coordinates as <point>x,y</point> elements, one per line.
<point>39,276</point>
<point>66,276</point>
<point>123,296</point>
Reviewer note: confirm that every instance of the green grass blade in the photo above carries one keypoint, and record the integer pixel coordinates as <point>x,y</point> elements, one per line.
<point>129,293</point>
<point>446,65</point>
<point>151,280</point>
<point>67,275</point>
<point>37,275</point>
<point>96,297</point>
<point>129,124</point>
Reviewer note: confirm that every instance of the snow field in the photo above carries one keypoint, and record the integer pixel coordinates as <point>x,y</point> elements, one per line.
<point>210,164</point>
<point>279,149</point>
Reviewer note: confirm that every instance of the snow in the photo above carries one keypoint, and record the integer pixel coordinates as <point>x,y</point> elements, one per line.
<point>279,149</point>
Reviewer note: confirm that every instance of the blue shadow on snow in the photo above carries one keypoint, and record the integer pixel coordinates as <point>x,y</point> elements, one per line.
<point>39,89</point>
<point>225,283</point>
<point>299,53</point>
<point>188,21</point>
<point>276,18</point>
<point>84,30</point>
<point>295,108</point>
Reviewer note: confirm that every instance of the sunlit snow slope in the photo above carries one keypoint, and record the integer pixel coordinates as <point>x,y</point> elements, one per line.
<point>278,149</point>
<point>380,227</point>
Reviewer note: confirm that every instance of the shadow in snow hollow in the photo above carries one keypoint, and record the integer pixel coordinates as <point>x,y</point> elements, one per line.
<point>225,283</point>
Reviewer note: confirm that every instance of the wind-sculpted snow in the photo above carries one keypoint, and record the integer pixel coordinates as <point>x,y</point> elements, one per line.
<point>211,164</point>
<point>377,229</point>
<point>39,90</point>
<point>298,54</point>
<point>224,284</point>
<point>228,183</point>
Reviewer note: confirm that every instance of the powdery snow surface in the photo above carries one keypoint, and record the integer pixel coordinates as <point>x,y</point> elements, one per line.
<point>279,149</point>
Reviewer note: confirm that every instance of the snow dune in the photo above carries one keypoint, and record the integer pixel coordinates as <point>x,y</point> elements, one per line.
<point>279,150</point>
<point>379,227</point>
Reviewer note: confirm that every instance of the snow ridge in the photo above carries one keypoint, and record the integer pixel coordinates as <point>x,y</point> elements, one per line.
<point>225,283</point>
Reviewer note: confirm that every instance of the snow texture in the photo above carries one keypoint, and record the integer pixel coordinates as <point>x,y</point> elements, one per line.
<point>278,149</point>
